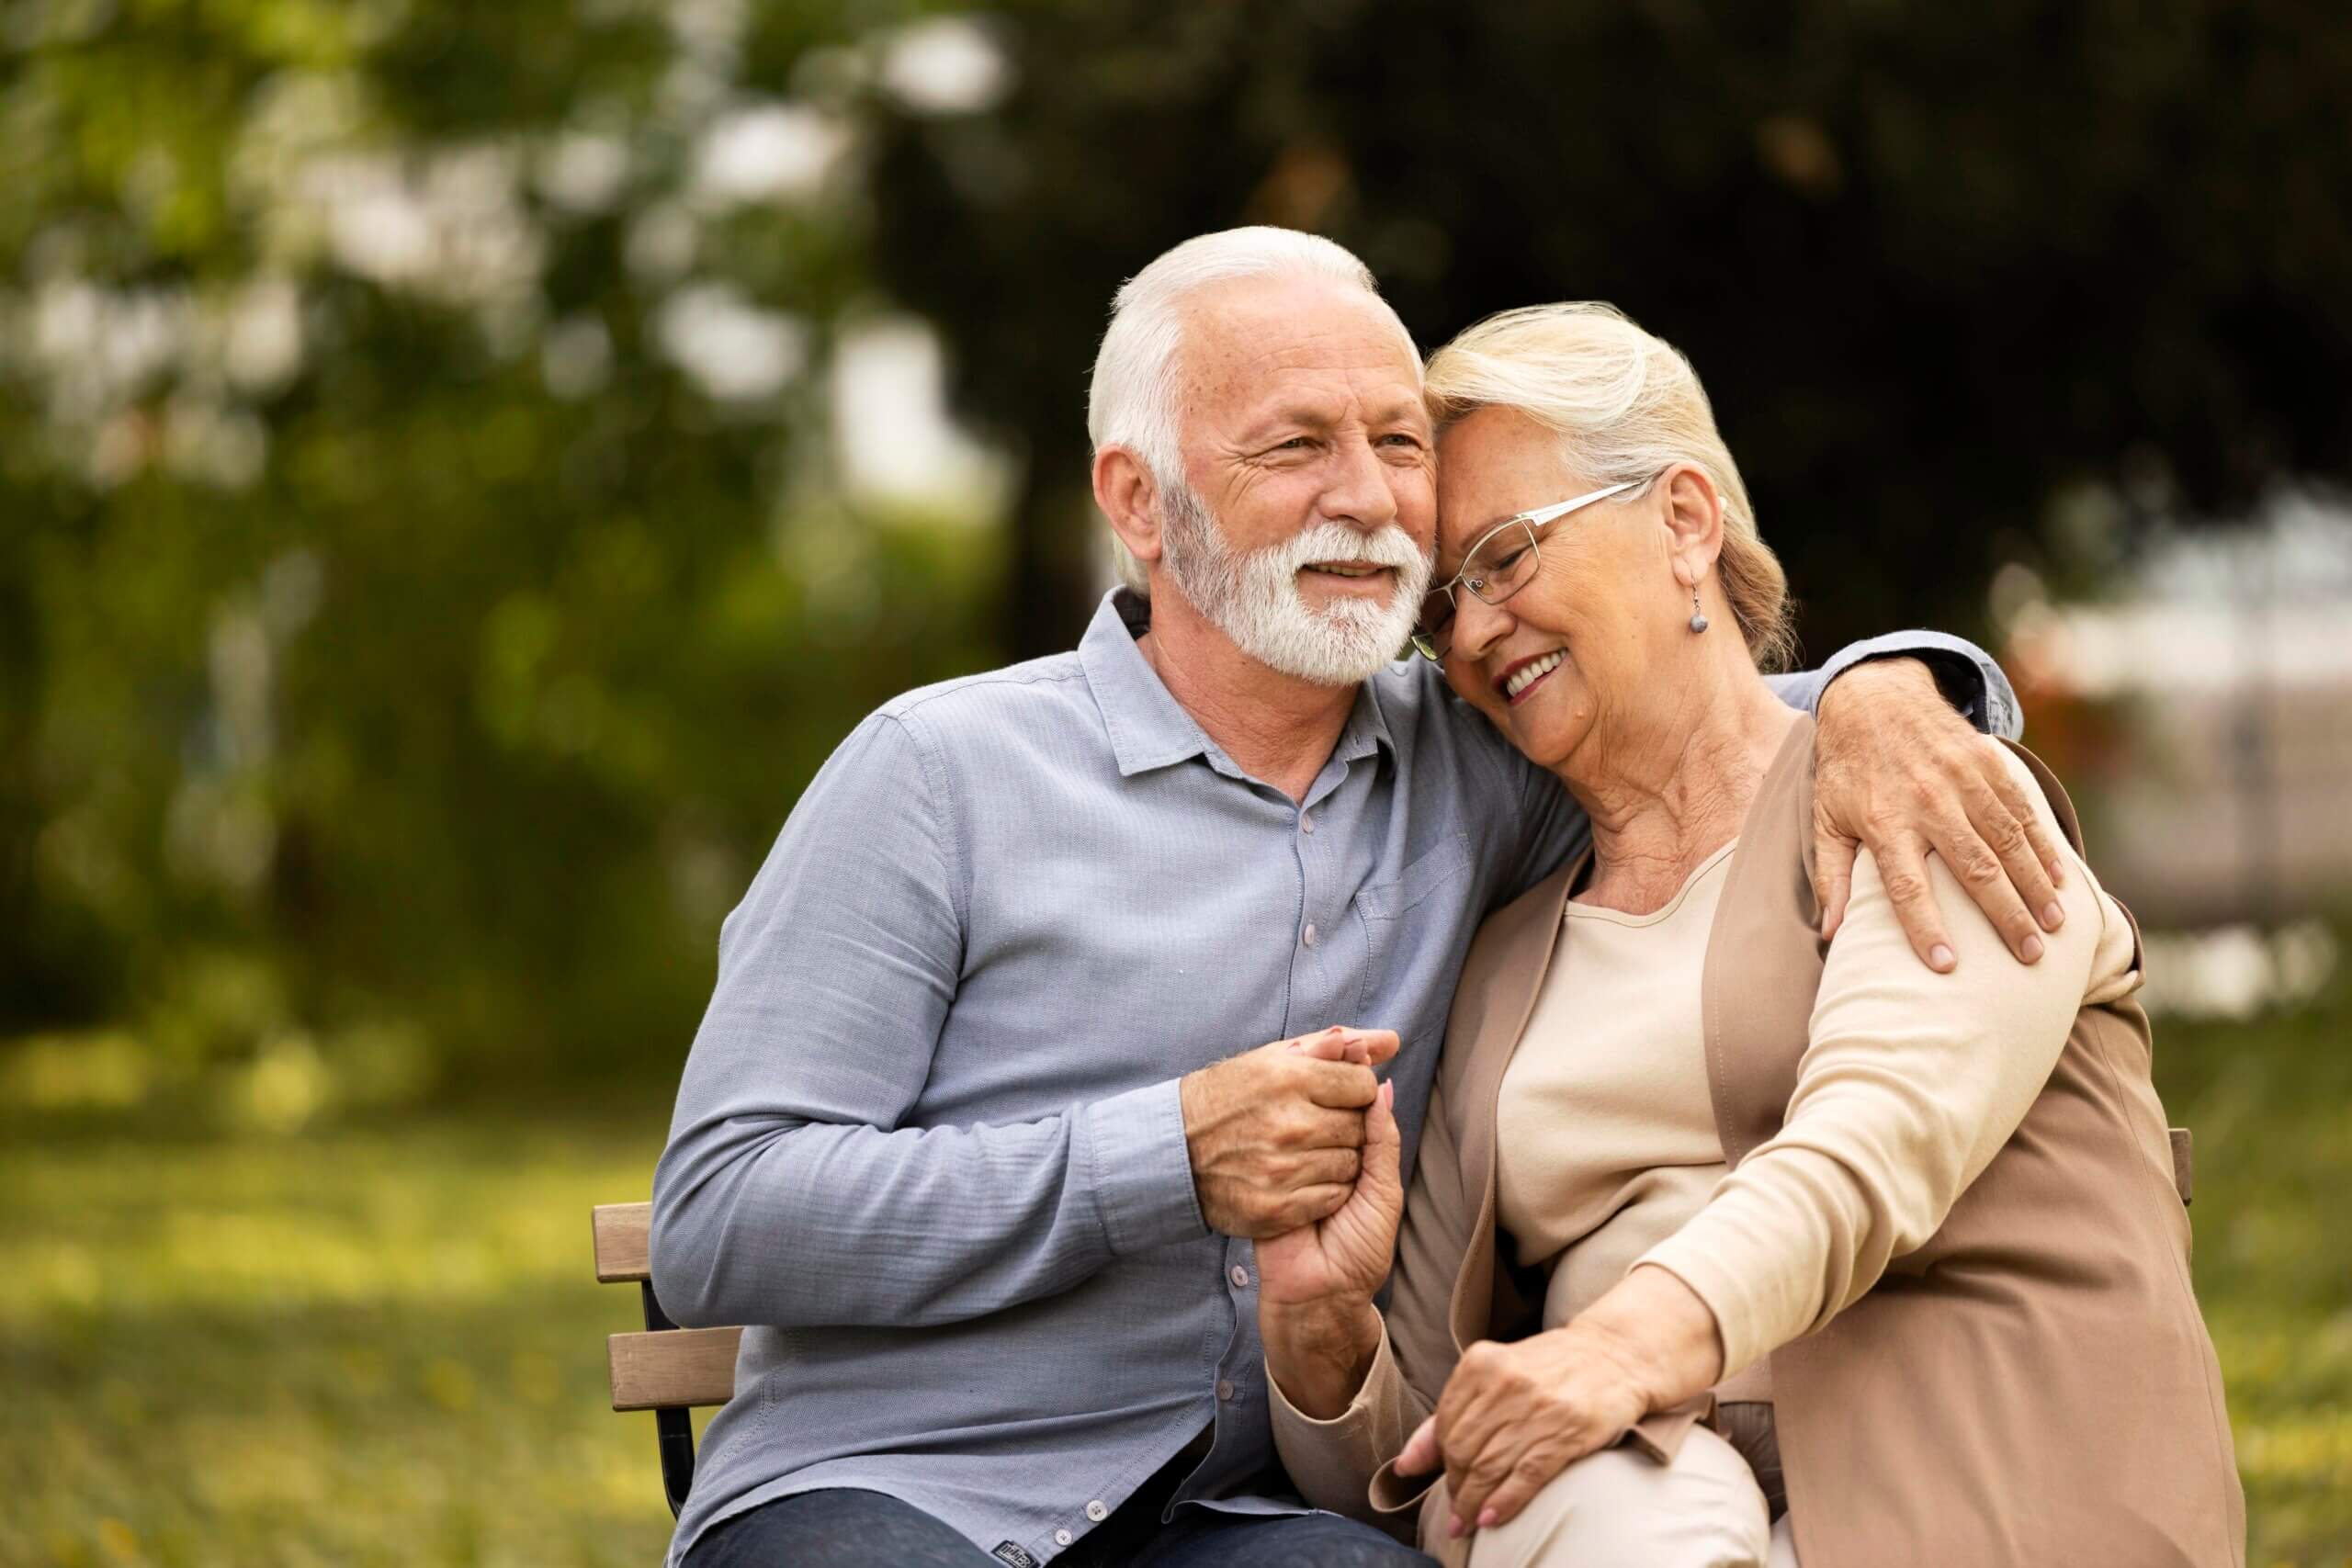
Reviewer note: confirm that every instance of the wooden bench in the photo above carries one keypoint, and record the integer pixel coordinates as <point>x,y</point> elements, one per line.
<point>669,1369</point>
<point>666,1368</point>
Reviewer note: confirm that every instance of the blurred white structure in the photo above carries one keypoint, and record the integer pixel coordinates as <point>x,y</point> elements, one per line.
<point>897,440</point>
<point>2229,799</point>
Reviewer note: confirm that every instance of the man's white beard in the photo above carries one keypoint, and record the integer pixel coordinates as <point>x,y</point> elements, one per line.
<point>1252,597</point>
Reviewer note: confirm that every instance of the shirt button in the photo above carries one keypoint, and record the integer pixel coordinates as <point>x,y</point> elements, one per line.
<point>1305,823</point>
<point>1240,1277</point>
<point>1224,1389</point>
<point>1307,936</point>
<point>1062,1537</point>
<point>1096,1511</point>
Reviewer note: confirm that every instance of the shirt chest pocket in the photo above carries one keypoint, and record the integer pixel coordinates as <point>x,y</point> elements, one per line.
<point>1415,927</point>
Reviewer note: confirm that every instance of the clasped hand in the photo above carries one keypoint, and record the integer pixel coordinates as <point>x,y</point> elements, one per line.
<point>1276,1134</point>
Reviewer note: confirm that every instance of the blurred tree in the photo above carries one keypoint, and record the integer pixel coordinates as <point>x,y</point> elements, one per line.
<point>1940,266</point>
<point>424,587</point>
<point>428,570</point>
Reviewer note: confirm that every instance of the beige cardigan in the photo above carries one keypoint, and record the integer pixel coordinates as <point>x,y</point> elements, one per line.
<point>2032,1385</point>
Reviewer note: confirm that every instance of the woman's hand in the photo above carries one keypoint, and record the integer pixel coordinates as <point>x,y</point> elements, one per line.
<point>1315,1283</point>
<point>1514,1415</point>
<point>1344,1256</point>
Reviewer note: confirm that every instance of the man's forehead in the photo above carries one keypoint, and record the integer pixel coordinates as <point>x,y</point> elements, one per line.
<point>1254,331</point>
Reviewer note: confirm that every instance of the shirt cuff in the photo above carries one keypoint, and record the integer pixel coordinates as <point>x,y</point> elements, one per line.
<point>1134,1152</point>
<point>1970,678</point>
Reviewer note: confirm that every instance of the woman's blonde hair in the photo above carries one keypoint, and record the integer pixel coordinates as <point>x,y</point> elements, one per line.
<point>1627,406</point>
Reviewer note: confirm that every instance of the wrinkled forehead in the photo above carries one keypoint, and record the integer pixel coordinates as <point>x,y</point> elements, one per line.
<point>1253,343</point>
<point>1492,464</point>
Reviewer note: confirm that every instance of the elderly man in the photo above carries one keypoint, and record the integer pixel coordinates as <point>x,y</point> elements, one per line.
<point>970,1136</point>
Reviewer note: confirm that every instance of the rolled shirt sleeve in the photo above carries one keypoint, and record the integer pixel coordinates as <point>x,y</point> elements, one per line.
<point>1970,678</point>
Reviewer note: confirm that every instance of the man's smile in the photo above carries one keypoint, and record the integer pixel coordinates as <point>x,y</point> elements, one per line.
<point>1350,579</point>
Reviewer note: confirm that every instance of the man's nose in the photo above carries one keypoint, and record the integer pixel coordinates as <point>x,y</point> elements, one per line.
<point>1360,492</point>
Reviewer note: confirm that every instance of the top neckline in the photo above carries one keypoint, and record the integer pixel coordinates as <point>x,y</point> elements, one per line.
<point>1571,909</point>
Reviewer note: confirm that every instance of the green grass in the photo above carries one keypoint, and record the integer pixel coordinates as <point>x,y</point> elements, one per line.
<point>368,1346</point>
<point>381,1343</point>
<point>2272,1110</point>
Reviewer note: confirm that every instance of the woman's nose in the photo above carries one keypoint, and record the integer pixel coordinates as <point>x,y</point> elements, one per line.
<point>1478,626</point>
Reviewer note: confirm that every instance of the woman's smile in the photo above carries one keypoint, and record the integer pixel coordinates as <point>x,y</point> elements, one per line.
<point>1520,677</point>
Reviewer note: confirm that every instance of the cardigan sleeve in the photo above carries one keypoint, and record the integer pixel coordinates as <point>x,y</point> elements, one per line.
<point>1909,1085</point>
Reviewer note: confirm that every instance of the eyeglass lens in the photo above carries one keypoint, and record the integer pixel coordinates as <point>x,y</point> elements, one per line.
<point>1498,569</point>
<point>1433,628</point>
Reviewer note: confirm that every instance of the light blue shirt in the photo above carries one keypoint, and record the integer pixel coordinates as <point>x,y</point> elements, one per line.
<point>928,1144</point>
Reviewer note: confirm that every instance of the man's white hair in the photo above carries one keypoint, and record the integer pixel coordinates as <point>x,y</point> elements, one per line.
<point>1139,375</point>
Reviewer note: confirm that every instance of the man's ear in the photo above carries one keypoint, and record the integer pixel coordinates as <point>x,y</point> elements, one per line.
<point>1694,522</point>
<point>1123,489</point>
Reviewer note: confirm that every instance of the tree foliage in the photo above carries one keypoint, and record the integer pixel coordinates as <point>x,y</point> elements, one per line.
<point>409,631</point>
<point>428,573</point>
<point>1945,269</point>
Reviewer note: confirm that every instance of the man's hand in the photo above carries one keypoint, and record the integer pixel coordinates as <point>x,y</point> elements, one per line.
<point>1896,769</point>
<point>1276,1133</point>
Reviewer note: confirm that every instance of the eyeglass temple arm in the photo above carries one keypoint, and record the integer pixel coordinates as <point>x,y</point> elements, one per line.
<point>1562,508</point>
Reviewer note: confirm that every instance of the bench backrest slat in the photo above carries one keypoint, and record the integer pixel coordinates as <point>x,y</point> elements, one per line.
<point>621,1250</point>
<point>672,1368</point>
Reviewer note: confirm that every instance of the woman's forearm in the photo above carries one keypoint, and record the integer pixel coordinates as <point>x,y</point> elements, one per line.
<point>1662,1331</point>
<point>1319,1356</point>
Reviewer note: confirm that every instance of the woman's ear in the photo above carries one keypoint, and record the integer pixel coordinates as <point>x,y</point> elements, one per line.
<point>1124,490</point>
<point>1694,522</point>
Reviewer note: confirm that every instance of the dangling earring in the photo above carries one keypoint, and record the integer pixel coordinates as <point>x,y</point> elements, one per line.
<point>1698,616</point>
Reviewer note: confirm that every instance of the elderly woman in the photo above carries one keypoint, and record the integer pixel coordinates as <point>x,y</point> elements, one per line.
<point>1726,1244</point>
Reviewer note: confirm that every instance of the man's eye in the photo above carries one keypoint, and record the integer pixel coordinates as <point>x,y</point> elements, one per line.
<point>1501,564</point>
<point>1295,444</point>
<point>1401,440</point>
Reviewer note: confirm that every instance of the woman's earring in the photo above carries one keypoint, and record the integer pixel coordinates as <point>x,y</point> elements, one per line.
<point>1698,616</point>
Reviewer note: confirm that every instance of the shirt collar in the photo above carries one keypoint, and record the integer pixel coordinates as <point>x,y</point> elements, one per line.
<point>1148,727</point>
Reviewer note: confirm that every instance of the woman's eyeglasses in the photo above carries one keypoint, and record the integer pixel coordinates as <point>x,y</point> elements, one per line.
<point>1500,564</point>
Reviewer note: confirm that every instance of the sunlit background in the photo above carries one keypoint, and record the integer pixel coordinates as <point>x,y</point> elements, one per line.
<point>463,467</point>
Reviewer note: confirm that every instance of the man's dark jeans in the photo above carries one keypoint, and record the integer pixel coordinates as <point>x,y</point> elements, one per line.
<point>844,1529</point>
